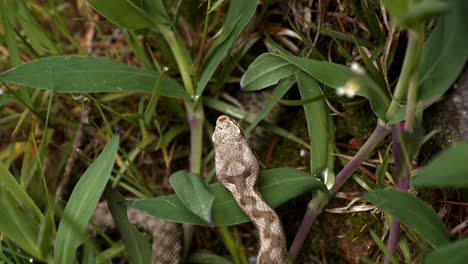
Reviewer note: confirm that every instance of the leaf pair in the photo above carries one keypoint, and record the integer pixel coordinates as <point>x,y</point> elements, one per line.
<point>269,69</point>
<point>276,186</point>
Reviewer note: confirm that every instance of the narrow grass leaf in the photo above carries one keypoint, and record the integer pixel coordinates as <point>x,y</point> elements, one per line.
<point>191,189</point>
<point>153,103</point>
<point>79,74</point>
<point>382,247</point>
<point>8,28</point>
<point>413,213</point>
<point>276,186</point>
<point>16,225</point>
<point>82,203</point>
<point>283,86</point>
<point>449,169</point>
<point>241,114</point>
<point>21,196</point>
<point>136,244</point>
<point>239,15</point>
<point>454,253</point>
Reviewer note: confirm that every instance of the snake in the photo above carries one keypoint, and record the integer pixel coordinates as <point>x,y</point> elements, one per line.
<point>237,169</point>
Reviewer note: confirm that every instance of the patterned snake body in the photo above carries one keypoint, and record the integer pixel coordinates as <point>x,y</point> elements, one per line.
<point>238,170</point>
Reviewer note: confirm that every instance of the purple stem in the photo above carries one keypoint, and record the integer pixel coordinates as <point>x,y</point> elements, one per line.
<point>402,185</point>
<point>315,207</point>
<point>380,132</point>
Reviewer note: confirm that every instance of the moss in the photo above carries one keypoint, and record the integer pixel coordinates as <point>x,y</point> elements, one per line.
<point>358,123</point>
<point>287,152</point>
<point>360,224</point>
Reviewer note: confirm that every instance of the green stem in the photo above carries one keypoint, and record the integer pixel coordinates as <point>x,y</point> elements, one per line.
<point>181,56</point>
<point>410,65</point>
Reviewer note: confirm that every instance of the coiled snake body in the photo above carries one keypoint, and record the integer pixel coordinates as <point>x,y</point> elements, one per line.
<point>238,170</point>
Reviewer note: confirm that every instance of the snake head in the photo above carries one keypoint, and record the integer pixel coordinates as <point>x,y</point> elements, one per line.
<point>227,131</point>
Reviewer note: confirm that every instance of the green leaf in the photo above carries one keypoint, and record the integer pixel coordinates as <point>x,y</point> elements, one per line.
<point>269,68</point>
<point>421,12</point>
<point>132,14</point>
<point>82,203</point>
<point>413,213</point>
<point>239,15</point>
<point>443,57</point>
<point>266,70</point>
<point>206,257</point>
<point>396,7</point>
<point>17,226</point>
<point>445,53</point>
<point>136,244</point>
<point>280,89</point>
<point>454,253</point>
<point>123,13</point>
<point>191,189</point>
<point>449,169</point>
<point>21,196</point>
<point>317,122</point>
<point>276,186</point>
<point>78,74</point>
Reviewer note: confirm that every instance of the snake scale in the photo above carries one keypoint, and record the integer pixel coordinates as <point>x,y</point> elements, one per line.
<point>237,169</point>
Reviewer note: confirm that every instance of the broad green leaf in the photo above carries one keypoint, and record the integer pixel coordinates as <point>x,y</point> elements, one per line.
<point>454,253</point>
<point>396,7</point>
<point>132,14</point>
<point>136,244</point>
<point>449,169</point>
<point>239,14</point>
<point>266,70</point>
<point>445,52</point>
<point>82,203</point>
<point>317,122</point>
<point>413,213</point>
<point>421,12</point>
<point>123,13</point>
<point>192,191</point>
<point>269,68</point>
<point>78,74</point>
<point>444,55</point>
<point>276,186</point>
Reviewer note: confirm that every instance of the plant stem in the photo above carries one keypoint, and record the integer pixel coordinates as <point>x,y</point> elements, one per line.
<point>195,118</point>
<point>181,56</point>
<point>408,81</point>
<point>380,132</point>
<point>410,65</point>
<point>315,207</point>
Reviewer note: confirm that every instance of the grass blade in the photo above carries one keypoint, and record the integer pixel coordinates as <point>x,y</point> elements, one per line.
<point>82,203</point>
